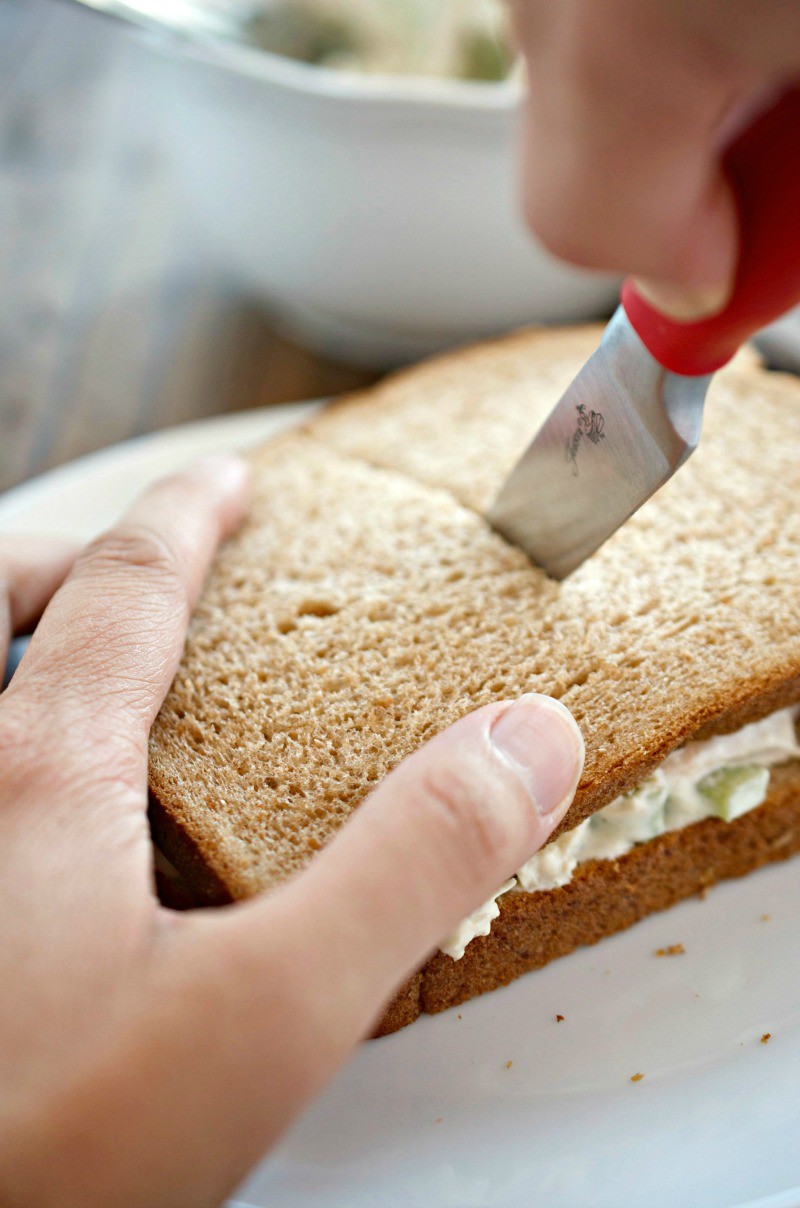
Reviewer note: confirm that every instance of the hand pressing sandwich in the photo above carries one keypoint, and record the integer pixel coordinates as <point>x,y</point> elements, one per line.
<point>630,105</point>
<point>147,1057</point>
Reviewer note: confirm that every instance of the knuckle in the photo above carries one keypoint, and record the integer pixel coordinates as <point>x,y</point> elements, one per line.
<point>14,735</point>
<point>93,758</point>
<point>138,549</point>
<point>22,755</point>
<point>564,224</point>
<point>461,809</point>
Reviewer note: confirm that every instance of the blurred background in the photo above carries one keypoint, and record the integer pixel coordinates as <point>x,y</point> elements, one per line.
<point>189,225</point>
<point>116,317</point>
<point>214,205</point>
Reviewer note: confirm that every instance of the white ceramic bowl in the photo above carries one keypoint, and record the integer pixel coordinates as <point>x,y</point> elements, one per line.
<point>379,215</point>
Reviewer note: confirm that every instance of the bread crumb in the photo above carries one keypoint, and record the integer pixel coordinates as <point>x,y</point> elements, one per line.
<point>509,1064</point>
<point>671,950</point>
<point>439,1120</point>
<point>559,1018</point>
<point>636,1077</point>
<point>458,1016</point>
<point>765,1039</point>
<point>766,918</point>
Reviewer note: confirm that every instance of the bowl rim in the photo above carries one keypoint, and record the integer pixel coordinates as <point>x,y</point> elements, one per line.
<point>477,96</point>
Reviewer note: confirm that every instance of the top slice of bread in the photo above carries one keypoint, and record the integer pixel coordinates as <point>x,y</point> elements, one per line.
<point>366,604</point>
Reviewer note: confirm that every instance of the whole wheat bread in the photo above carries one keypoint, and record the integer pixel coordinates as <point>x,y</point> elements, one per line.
<point>366,604</point>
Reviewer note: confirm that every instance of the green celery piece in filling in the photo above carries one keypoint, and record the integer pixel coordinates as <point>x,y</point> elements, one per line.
<point>649,800</point>
<point>733,791</point>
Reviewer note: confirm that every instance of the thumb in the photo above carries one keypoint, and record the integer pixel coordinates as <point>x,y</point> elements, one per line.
<point>293,980</point>
<point>435,840</point>
<point>255,1005</point>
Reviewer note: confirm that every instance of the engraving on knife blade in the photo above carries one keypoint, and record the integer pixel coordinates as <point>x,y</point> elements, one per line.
<point>590,425</point>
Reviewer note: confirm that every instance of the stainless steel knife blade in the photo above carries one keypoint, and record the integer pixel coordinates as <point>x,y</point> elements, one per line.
<point>620,431</point>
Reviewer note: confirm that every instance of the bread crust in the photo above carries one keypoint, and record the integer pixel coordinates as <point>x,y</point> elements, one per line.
<point>604,897</point>
<point>186,855</point>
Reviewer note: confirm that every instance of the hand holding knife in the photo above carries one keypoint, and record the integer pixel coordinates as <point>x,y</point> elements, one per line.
<point>633,414</point>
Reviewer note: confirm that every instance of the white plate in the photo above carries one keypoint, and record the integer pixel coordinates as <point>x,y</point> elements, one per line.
<point>434,1117</point>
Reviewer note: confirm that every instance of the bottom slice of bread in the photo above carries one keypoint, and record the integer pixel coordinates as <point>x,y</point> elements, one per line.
<point>605,896</point>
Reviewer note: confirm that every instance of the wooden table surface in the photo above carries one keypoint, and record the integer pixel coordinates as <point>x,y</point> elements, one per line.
<point>113,320</point>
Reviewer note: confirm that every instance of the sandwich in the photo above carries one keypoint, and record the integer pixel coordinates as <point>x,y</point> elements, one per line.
<point>366,604</point>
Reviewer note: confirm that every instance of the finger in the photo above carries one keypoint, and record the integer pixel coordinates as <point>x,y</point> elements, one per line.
<point>439,836</point>
<point>293,980</point>
<point>108,645</point>
<point>435,840</point>
<point>31,570</point>
<point>622,156</point>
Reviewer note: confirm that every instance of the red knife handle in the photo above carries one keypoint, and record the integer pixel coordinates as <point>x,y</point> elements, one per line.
<point>763,166</point>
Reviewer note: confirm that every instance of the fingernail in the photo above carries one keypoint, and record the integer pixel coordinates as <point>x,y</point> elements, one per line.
<point>685,305</point>
<point>541,739</point>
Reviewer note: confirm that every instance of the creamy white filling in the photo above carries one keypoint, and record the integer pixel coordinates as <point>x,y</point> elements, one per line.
<point>722,777</point>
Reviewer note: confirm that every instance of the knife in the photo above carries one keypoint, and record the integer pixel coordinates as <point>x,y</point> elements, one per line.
<point>634,413</point>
